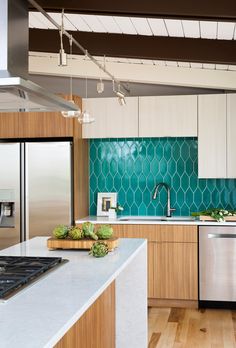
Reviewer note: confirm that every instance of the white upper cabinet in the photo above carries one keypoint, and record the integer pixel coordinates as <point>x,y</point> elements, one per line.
<point>231,135</point>
<point>174,116</point>
<point>212,121</point>
<point>111,119</point>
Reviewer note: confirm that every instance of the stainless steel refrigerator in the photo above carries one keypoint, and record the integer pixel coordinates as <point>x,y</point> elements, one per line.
<point>36,191</point>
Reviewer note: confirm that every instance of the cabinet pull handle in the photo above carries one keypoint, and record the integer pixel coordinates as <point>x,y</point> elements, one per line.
<point>221,235</point>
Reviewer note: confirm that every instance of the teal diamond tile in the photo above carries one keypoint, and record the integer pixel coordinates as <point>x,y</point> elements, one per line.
<point>142,182</point>
<point>146,167</point>
<point>132,167</point>
<point>154,166</point>
<point>117,181</point>
<point>138,197</point>
<point>138,166</point>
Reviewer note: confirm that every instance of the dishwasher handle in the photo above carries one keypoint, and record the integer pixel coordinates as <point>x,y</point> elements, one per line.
<point>221,235</point>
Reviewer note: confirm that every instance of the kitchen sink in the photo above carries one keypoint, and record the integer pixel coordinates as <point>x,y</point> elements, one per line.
<point>156,218</point>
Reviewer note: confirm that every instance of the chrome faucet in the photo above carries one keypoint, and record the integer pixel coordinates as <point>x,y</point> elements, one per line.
<point>161,184</point>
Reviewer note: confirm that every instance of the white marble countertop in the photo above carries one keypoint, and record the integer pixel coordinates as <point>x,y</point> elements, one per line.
<point>150,220</point>
<point>39,315</point>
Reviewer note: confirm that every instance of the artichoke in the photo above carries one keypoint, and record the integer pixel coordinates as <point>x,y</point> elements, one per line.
<point>88,230</point>
<point>60,231</point>
<point>104,232</point>
<point>99,249</point>
<point>76,233</point>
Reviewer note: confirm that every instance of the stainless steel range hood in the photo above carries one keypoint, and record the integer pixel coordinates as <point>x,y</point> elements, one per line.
<point>17,93</point>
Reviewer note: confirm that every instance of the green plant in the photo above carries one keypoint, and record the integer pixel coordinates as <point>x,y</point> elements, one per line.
<point>88,230</point>
<point>76,233</point>
<point>61,231</point>
<point>104,232</point>
<point>99,249</point>
<point>216,213</point>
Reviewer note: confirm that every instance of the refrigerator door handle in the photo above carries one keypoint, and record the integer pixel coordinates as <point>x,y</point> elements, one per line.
<point>22,191</point>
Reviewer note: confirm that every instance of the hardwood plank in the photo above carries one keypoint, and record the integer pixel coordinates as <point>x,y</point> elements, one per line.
<point>168,336</point>
<point>234,322</point>
<point>176,315</point>
<point>192,328</point>
<point>154,339</point>
<point>96,328</point>
<point>158,319</point>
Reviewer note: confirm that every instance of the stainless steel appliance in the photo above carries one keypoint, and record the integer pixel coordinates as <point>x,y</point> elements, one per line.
<point>217,266</point>
<point>35,189</point>
<point>17,93</point>
<point>16,272</point>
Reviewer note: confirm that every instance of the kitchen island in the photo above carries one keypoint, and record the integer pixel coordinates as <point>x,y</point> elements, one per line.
<point>42,314</point>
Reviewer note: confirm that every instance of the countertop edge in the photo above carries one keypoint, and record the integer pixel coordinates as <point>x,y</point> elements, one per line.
<point>106,220</point>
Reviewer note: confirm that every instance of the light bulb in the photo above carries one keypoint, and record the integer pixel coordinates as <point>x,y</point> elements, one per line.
<point>71,113</point>
<point>100,87</point>
<point>85,117</point>
<point>121,101</point>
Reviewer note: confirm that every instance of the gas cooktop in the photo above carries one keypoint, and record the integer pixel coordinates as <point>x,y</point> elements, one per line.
<point>18,271</point>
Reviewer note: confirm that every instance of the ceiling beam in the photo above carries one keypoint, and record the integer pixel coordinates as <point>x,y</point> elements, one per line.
<point>139,47</point>
<point>208,10</point>
<point>47,64</point>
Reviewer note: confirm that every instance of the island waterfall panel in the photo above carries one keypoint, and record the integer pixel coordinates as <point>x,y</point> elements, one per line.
<point>96,328</point>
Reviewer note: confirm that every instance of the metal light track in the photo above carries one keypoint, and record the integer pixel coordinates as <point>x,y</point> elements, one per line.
<point>70,37</point>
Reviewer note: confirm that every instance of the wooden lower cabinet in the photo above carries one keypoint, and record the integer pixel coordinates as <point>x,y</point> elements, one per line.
<point>96,328</point>
<point>172,261</point>
<point>174,271</point>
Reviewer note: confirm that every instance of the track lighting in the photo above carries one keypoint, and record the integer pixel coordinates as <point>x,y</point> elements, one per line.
<point>62,56</point>
<point>100,87</point>
<point>76,113</point>
<point>119,94</point>
<point>85,116</point>
<point>121,101</point>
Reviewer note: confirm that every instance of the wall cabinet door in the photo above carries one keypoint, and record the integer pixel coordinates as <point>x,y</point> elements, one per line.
<point>212,136</point>
<point>111,119</point>
<point>174,116</point>
<point>231,138</point>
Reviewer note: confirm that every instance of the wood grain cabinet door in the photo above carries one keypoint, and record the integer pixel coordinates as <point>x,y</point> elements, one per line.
<point>175,271</point>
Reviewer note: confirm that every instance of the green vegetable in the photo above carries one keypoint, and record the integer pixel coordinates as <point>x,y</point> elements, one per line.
<point>104,232</point>
<point>88,230</point>
<point>99,249</point>
<point>216,213</point>
<point>76,233</point>
<point>60,231</point>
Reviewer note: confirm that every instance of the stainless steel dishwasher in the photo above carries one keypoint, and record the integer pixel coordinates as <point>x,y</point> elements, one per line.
<point>217,266</point>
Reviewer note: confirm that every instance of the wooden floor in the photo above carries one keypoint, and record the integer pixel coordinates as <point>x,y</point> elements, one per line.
<point>190,328</point>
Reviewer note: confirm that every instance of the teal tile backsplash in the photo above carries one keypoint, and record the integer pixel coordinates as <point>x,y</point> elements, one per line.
<point>132,167</point>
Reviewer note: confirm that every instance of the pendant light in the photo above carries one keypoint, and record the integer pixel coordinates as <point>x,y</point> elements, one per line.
<point>85,116</point>
<point>76,113</point>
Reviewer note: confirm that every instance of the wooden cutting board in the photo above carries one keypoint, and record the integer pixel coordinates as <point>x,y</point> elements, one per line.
<point>53,243</point>
<point>209,218</point>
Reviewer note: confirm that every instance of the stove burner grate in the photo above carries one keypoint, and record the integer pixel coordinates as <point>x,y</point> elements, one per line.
<point>17,271</point>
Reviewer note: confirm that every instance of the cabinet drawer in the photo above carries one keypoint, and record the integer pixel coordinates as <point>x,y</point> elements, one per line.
<point>158,233</point>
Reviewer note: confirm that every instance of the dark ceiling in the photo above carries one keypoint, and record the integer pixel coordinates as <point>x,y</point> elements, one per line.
<point>180,9</point>
<point>144,47</point>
